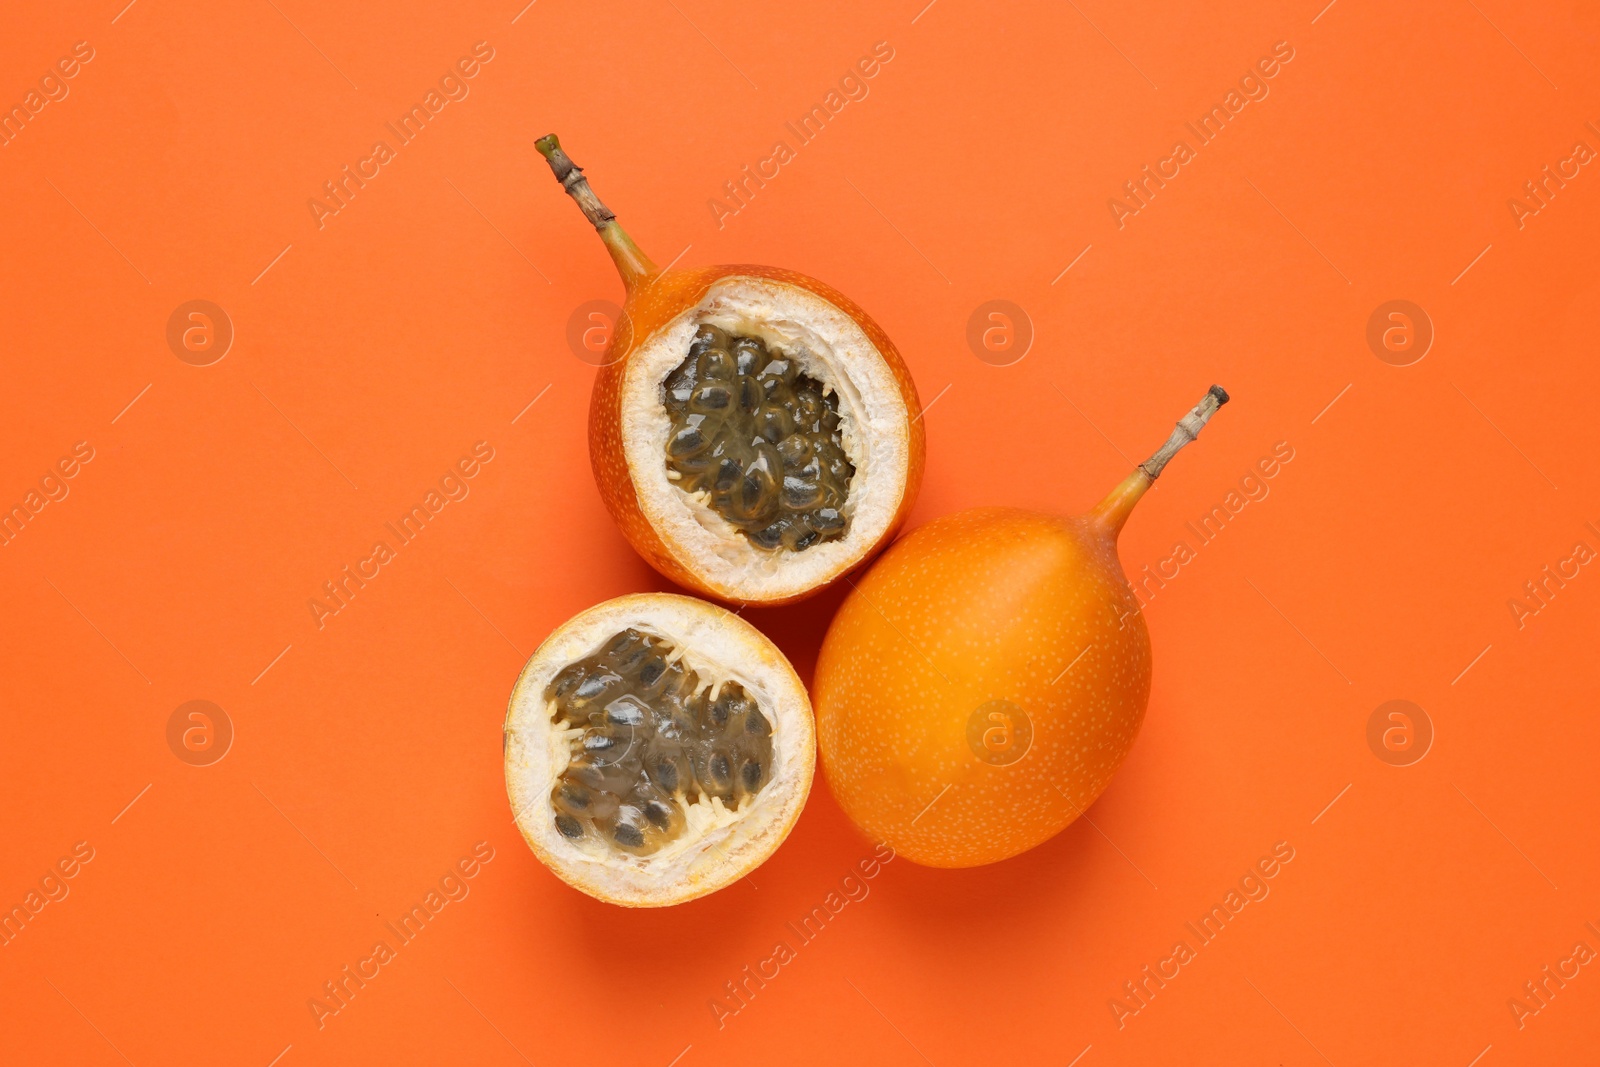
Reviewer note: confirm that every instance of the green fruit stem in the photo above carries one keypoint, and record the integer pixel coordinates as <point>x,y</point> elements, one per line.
<point>634,266</point>
<point>1113,511</point>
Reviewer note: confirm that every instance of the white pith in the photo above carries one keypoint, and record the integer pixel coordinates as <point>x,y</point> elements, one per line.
<point>874,430</point>
<point>717,846</point>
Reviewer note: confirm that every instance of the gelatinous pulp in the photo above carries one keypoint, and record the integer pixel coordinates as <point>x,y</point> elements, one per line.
<point>655,737</point>
<point>761,438</point>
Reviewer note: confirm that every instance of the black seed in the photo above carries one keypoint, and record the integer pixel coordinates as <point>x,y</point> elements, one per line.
<point>728,474</point>
<point>628,661</point>
<point>628,836</point>
<point>682,373</point>
<point>749,394</point>
<point>799,493</point>
<point>748,355</point>
<point>651,671</point>
<point>624,641</point>
<point>666,775</point>
<point>751,492</point>
<point>659,814</point>
<point>770,536</point>
<point>825,520</point>
<point>565,682</point>
<point>711,398</point>
<point>715,363</point>
<point>708,336</point>
<point>595,684</point>
<point>597,776</point>
<point>773,424</point>
<point>626,711</point>
<point>751,773</point>
<point>689,440</point>
<point>569,826</point>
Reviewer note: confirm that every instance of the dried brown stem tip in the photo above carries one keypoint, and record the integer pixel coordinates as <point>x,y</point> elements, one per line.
<point>1187,430</point>
<point>570,175</point>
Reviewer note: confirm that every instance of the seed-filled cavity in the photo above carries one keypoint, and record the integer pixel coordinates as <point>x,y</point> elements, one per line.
<point>761,438</point>
<point>655,738</point>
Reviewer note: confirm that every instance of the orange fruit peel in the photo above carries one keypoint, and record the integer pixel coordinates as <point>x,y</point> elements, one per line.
<point>683,534</point>
<point>987,676</point>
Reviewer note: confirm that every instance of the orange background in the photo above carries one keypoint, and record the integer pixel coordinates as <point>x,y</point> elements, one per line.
<point>429,312</point>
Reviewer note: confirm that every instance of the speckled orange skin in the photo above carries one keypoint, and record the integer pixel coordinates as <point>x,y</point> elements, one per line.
<point>649,306</point>
<point>987,604</point>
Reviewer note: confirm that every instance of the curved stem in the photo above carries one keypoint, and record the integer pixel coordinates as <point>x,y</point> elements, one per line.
<point>634,266</point>
<point>1114,510</point>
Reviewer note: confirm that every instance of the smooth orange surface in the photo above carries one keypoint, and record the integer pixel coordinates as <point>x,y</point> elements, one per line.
<point>1386,561</point>
<point>981,684</point>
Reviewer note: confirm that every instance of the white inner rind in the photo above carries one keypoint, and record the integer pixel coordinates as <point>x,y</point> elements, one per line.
<point>718,845</point>
<point>874,430</point>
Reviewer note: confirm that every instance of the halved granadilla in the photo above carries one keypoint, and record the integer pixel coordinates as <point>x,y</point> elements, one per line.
<point>657,748</point>
<point>754,433</point>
